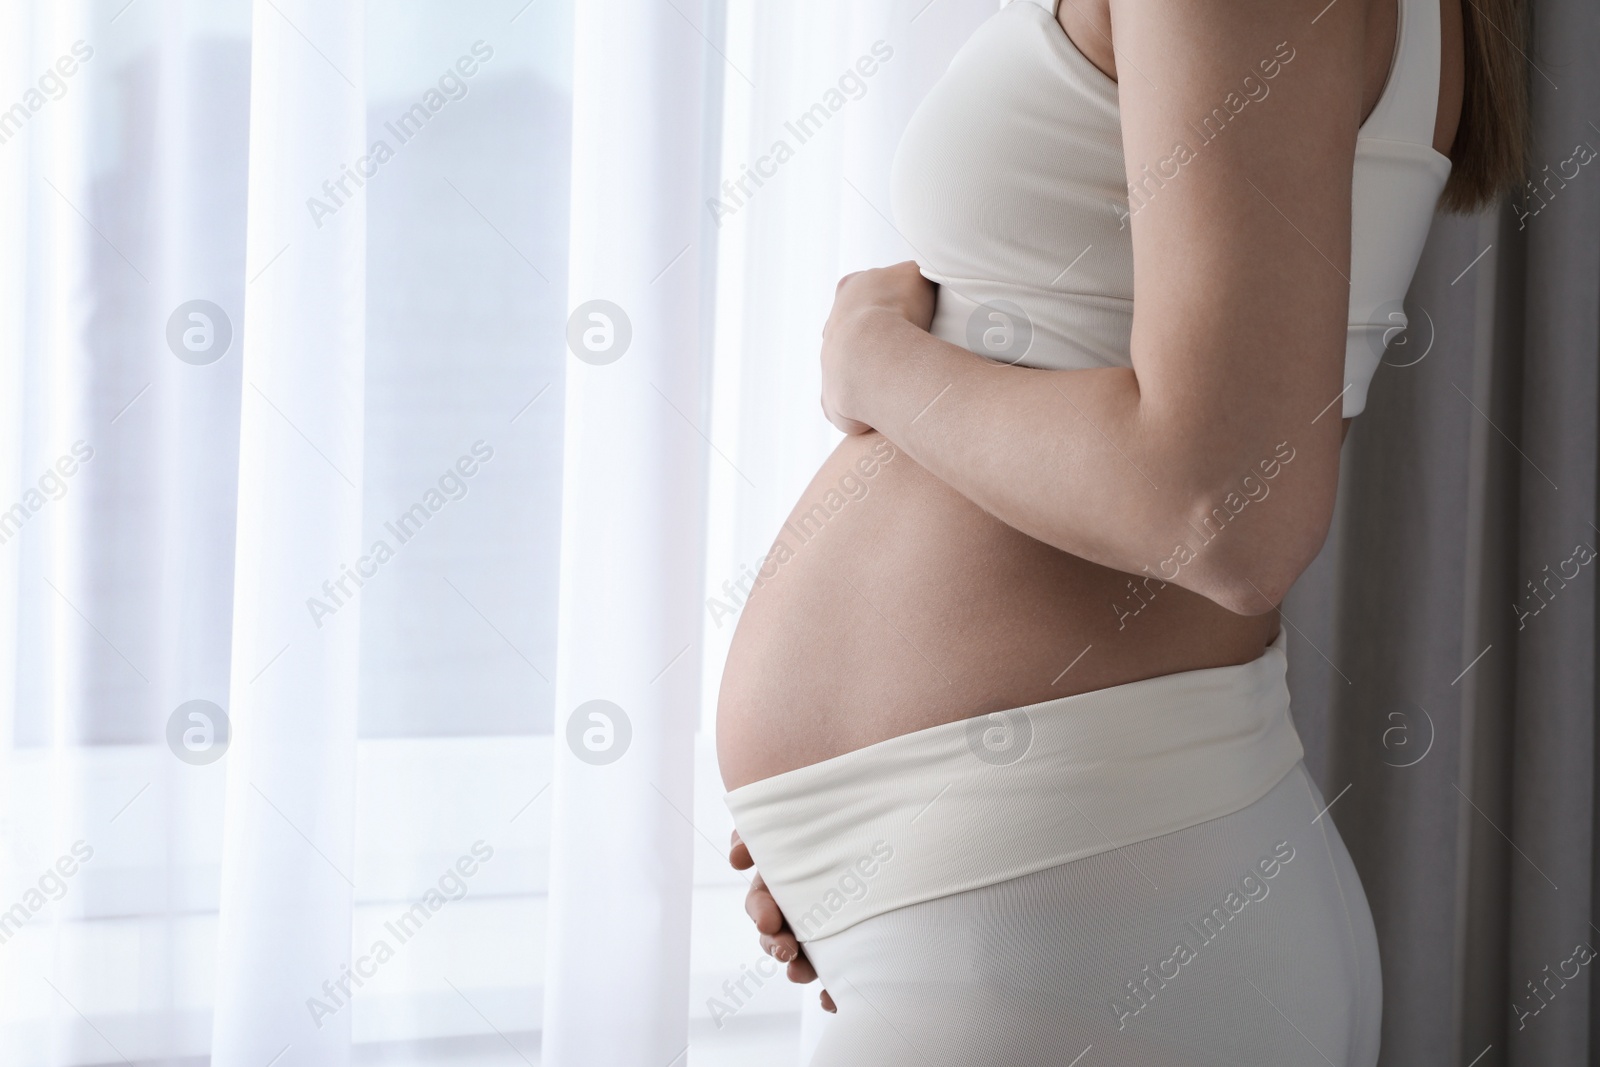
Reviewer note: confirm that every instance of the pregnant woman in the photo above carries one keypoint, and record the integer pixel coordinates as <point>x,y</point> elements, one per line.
<point>1006,732</point>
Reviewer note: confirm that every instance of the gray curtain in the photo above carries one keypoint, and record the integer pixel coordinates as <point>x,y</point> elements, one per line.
<point>1442,648</point>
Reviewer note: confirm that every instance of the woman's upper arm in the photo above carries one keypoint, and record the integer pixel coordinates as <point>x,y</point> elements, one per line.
<point>1239,120</point>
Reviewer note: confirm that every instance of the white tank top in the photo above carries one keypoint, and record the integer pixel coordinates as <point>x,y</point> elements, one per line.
<point>1009,185</point>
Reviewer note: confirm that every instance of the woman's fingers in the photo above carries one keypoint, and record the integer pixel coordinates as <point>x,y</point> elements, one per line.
<point>781,946</point>
<point>777,940</point>
<point>739,854</point>
<point>784,948</point>
<point>842,424</point>
<point>762,909</point>
<point>800,971</point>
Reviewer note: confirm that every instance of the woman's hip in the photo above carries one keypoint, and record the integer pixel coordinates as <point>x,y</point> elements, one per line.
<point>1244,939</point>
<point>1144,868</point>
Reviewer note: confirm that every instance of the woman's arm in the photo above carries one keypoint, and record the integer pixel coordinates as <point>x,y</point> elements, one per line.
<point>1241,293</point>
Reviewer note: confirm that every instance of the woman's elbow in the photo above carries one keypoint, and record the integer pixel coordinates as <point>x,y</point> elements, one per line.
<point>1243,594</point>
<point>1251,563</point>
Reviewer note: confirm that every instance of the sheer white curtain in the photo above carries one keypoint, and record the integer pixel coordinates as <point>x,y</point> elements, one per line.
<point>358,658</point>
<point>284,921</point>
<point>632,526</point>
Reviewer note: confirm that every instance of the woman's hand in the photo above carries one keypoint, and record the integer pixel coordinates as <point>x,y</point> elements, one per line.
<point>777,940</point>
<point>900,291</point>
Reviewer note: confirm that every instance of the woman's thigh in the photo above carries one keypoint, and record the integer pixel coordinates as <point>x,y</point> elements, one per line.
<point>1244,940</point>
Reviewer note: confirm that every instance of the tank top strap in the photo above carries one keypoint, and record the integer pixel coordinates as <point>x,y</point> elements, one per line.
<point>1409,106</point>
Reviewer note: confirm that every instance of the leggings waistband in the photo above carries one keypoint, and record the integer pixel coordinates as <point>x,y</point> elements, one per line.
<point>983,800</point>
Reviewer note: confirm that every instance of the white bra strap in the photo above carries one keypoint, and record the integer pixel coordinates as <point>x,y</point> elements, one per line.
<point>1409,107</point>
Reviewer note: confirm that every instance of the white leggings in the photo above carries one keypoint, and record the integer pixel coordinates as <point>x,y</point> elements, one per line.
<point>1084,958</point>
<point>1140,876</point>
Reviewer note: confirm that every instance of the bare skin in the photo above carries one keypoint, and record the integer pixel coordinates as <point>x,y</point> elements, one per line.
<point>963,581</point>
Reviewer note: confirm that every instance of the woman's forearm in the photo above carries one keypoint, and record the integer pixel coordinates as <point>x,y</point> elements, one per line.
<point>1083,461</point>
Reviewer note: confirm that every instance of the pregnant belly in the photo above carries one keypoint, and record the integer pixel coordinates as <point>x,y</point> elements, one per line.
<point>890,603</point>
